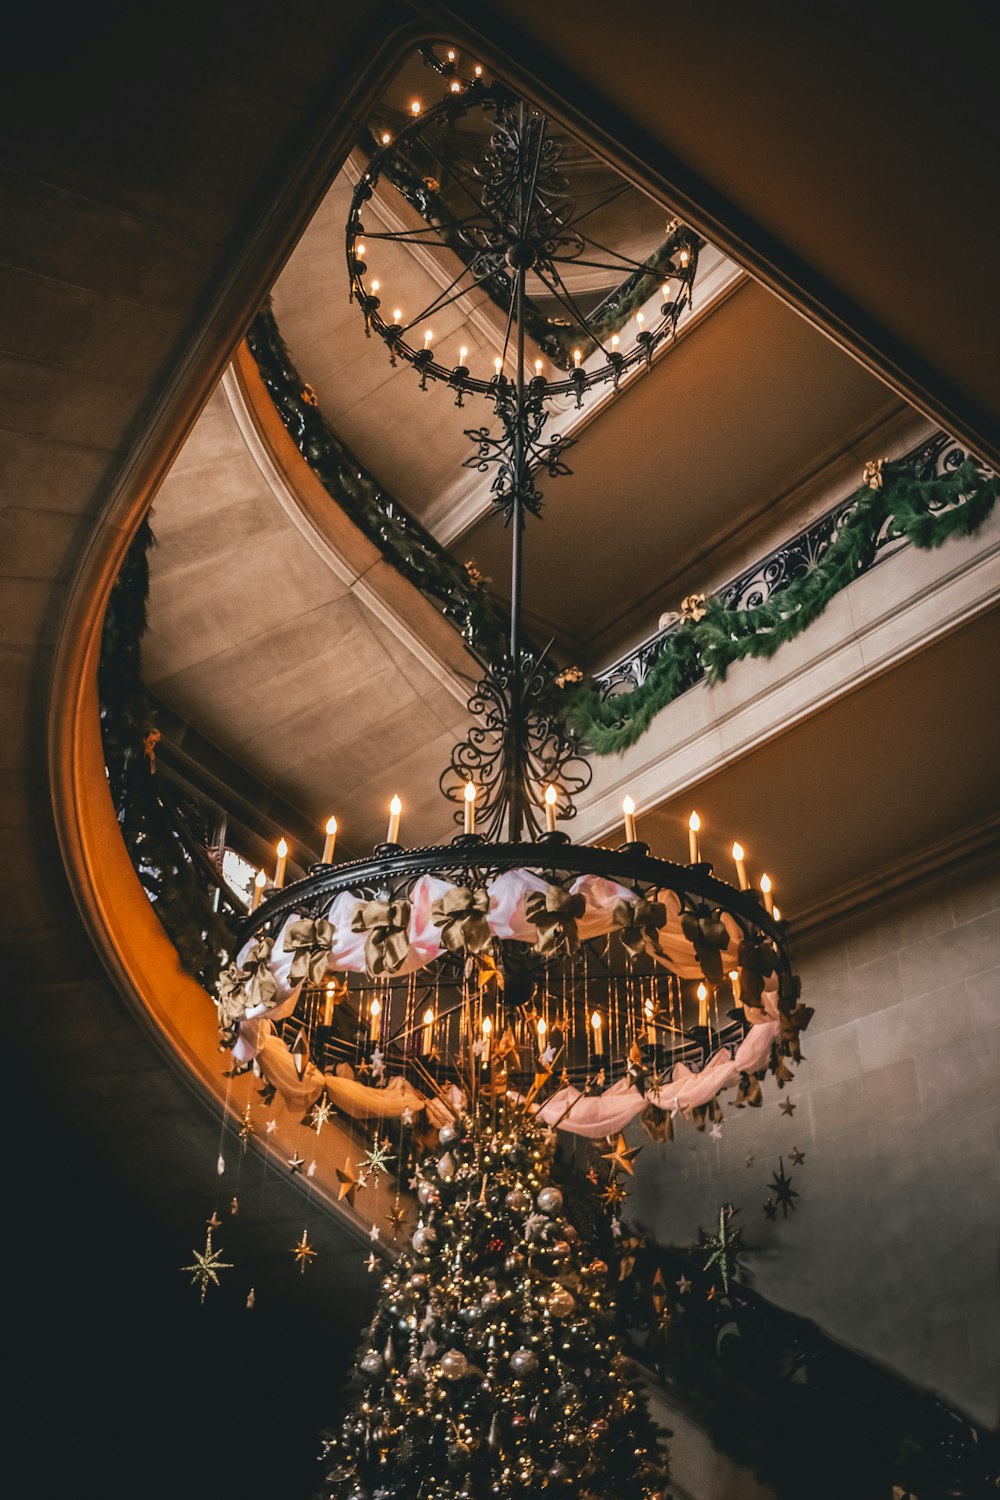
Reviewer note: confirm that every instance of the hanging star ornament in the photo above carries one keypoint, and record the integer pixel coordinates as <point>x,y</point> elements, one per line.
<point>322,1113</point>
<point>303,1252</point>
<point>378,1158</point>
<point>770,1209</point>
<point>348,1184</point>
<point>214,1222</point>
<point>621,1156</point>
<point>683,1284</point>
<point>396,1218</point>
<point>787,1107</point>
<point>206,1266</point>
<point>614,1193</point>
<point>781,1186</point>
<point>296,1163</point>
<point>798,1157</point>
<point>372,1262</point>
<point>246,1125</point>
<point>726,1247</point>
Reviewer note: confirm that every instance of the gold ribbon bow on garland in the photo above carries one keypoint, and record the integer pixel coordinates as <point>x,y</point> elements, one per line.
<point>245,987</point>
<point>709,936</point>
<point>310,942</point>
<point>231,997</point>
<point>640,923</point>
<point>262,987</point>
<point>461,915</point>
<point>792,1023</point>
<point>387,943</point>
<point>554,913</point>
<point>757,961</point>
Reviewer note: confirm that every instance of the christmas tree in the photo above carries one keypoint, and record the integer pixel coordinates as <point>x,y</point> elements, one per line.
<point>491,1367</point>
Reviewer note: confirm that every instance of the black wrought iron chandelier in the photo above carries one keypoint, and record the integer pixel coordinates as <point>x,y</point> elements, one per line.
<point>511,954</point>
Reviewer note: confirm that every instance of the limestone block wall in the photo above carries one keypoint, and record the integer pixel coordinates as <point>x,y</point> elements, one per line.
<point>892,1249</point>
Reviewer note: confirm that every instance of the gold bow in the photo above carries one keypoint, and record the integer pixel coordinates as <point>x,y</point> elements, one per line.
<point>749,1092</point>
<point>310,941</point>
<point>708,935</point>
<point>230,990</point>
<point>757,962</point>
<point>792,1023</point>
<point>387,943</point>
<point>461,915</point>
<point>657,1123</point>
<point>262,987</point>
<point>554,913</point>
<point>640,924</point>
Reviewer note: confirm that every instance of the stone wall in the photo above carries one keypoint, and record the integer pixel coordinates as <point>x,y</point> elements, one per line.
<point>893,1247</point>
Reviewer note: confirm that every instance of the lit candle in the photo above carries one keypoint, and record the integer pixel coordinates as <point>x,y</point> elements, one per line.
<point>470,806</point>
<point>614,341</point>
<point>487,1033</point>
<point>765,885</point>
<point>702,1004</point>
<point>451,54</point>
<point>550,808</point>
<point>397,315</point>
<point>259,882</point>
<point>685,257</point>
<point>375,1015</point>
<point>395,808</point>
<point>386,137</point>
<point>541,1026</point>
<point>415,107</point>
<point>376,284</point>
<point>665,289</point>
<point>281,849</point>
<point>463,355</point>
<point>694,823</point>
<point>776,914</point>
<point>456,87</point>
<point>498,364</point>
<point>479,71</point>
<point>628,808</point>
<point>649,1012</point>
<point>328,1003</point>
<point>577,356</point>
<point>741,869</point>
<point>331,840</point>
<point>596,1024</point>
<point>734,980</point>
<point>538,367</point>
<point>427,1034</point>
<point>640,319</point>
<point>428,335</point>
<point>361,251</point>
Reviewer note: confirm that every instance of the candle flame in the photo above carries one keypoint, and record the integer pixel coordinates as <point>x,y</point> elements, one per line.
<point>542,1026</point>
<point>375,1009</point>
<point>470,791</point>
<point>397,315</point>
<point>281,849</point>
<point>361,251</point>
<point>538,367</point>
<point>260,880</point>
<point>694,822</point>
<point>648,1008</point>
<point>734,974</point>
<point>776,913</point>
<point>487,1026</point>
<point>550,795</point>
<point>628,806</point>
<point>702,992</point>
<point>463,355</point>
<point>331,826</point>
<point>415,107</point>
<point>428,1017</point>
<point>738,851</point>
<point>765,883</point>
<point>376,284</point>
<point>395,807</point>
<point>596,1021</point>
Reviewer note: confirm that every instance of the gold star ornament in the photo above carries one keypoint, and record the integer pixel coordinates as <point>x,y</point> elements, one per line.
<point>303,1252</point>
<point>621,1156</point>
<point>206,1266</point>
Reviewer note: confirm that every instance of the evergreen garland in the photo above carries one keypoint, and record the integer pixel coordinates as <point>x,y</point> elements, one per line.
<point>166,839</point>
<point>925,512</point>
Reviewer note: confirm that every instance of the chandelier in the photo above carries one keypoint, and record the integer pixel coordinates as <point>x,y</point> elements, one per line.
<point>594,982</point>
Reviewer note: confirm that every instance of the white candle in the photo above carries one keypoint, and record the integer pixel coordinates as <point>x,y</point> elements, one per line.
<point>628,808</point>
<point>538,367</point>
<point>331,840</point>
<point>375,1015</point>
<point>259,882</point>
<point>498,364</point>
<point>741,869</point>
<point>463,355</point>
<point>281,850</point>
<point>395,808</point>
<point>649,1011</point>
<point>596,1025</point>
<point>397,315</point>
<point>470,806</point>
<point>694,823</point>
<point>427,1035</point>
<point>328,1003</point>
<point>577,356</point>
<point>541,1026</point>
<point>428,335</point>
<point>550,808</point>
<point>702,1004</point>
<point>487,1033</point>
<point>765,885</point>
<point>734,980</point>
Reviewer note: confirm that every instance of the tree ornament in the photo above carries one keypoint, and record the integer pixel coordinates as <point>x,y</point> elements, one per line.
<point>550,1200</point>
<point>206,1266</point>
<point>453,1365</point>
<point>524,1363</point>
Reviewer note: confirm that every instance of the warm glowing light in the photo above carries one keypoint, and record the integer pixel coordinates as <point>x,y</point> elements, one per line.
<point>694,852</point>
<point>628,808</point>
<point>538,367</point>
<point>395,808</point>
<point>456,87</point>
<point>577,356</point>
<point>765,883</point>
<point>542,1026</point>
<point>470,806</point>
<point>451,54</point>
<point>596,1021</point>
<point>685,257</point>
<point>428,335</point>
<point>415,107</point>
<point>463,355</point>
<point>738,852</point>
<point>479,71</point>
<point>470,791</point>
<point>281,849</point>
<point>487,1026</point>
<point>702,992</point>
<point>550,795</point>
<point>331,839</point>
<point>397,315</point>
<point>375,1009</point>
<point>260,880</point>
<point>776,914</point>
<point>428,1017</point>
<point>614,341</point>
<point>376,284</point>
<point>374,1012</point>
<point>386,137</point>
<point>361,251</point>
<point>498,364</point>
<point>640,318</point>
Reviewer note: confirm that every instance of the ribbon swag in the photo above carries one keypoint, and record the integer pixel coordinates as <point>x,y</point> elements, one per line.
<point>310,942</point>
<point>244,988</point>
<point>386,928</point>
<point>461,915</point>
<point>639,925</point>
<point>554,913</point>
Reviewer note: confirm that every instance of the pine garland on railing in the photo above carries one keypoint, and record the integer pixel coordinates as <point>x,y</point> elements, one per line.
<point>166,839</point>
<point>925,512</point>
